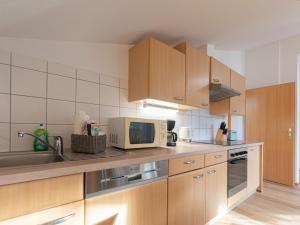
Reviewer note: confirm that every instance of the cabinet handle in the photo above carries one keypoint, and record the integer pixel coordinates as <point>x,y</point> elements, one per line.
<point>204,104</point>
<point>179,98</point>
<point>218,156</point>
<point>216,80</point>
<point>211,171</point>
<point>59,220</point>
<point>235,110</point>
<point>189,162</point>
<point>198,177</point>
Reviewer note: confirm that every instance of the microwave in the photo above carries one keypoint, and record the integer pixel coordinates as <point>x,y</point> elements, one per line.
<point>131,133</point>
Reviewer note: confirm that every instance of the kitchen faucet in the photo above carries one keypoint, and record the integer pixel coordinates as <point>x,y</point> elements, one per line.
<point>58,140</point>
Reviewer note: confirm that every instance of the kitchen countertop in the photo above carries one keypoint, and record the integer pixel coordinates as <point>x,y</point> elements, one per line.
<point>92,162</point>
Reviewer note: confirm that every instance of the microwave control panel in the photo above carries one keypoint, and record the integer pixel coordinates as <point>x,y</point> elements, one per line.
<point>163,133</point>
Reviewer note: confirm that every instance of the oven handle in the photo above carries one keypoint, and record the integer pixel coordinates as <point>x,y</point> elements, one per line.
<point>238,159</point>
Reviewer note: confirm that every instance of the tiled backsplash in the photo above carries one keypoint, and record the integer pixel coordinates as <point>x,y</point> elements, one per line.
<point>34,91</point>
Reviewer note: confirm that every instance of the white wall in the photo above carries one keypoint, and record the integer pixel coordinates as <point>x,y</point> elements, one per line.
<point>111,59</point>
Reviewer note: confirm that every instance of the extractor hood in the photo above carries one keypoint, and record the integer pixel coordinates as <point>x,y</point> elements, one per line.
<point>219,92</point>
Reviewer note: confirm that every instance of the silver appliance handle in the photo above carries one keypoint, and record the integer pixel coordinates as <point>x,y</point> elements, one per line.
<point>59,220</point>
<point>189,162</point>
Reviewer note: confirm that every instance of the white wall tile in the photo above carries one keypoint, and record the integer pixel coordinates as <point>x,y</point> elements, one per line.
<point>91,109</point>
<point>60,69</point>
<point>4,137</point>
<point>195,122</point>
<point>107,112</point>
<point>25,143</point>
<point>87,92</point>
<point>126,112</point>
<point>196,112</point>
<point>4,57</point>
<point>28,82</point>
<point>109,95</point>
<point>60,112</point>
<point>196,134</point>
<point>124,83</point>
<point>4,78</point>
<point>4,108</point>
<point>124,99</point>
<point>62,88</point>
<point>61,130</point>
<point>28,109</point>
<point>29,62</point>
<point>88,75</point>
<point>109,80</point>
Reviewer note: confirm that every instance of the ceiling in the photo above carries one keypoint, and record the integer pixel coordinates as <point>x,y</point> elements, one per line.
<point>228,24</point>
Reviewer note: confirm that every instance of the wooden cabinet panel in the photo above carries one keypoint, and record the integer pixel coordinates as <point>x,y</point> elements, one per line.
<point>219,73</point>
<point>29,197</point>
<point>215,158</point>
<point>185,164</point>
<point>186,198</point>
<point>141,205</point>
<point>197,76</point>
<point>69,214</point>
<point>156,71</point>
<point>238,103</point>
<point>253,170</point>
<point>216,190</point>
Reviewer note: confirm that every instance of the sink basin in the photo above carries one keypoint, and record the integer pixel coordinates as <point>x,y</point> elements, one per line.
<point>27,159</point>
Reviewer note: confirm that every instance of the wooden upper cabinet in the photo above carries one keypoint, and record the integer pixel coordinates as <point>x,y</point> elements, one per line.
<point>156,71</point>
<point>238,103</point>
<point>219,73</point>
<point>186,198</point>
<point>197,76</point>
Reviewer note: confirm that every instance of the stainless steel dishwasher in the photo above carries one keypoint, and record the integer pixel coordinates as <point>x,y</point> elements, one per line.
<point>129,195</point>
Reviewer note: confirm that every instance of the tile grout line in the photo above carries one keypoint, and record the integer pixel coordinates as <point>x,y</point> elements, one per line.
<point>99,115</point>
<point>10,105</point>
<point>47,96</point>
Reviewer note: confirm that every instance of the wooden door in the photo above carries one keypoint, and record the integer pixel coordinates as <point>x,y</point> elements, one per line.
<point>166,73</point>
<point>219,73</point>
<point>141,205</point>
<point>197,76</point>
<point>216,191</point>
<point>186,198</point>
<point>238,103</point>
<point>270,113</point>
<point>69,214</point>
<point>253,170</point>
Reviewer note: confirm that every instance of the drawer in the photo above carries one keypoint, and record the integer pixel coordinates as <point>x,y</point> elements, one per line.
<point>185,164</point>
<point>215,158</point>
<point>69,214</point>
<point>29,197</point>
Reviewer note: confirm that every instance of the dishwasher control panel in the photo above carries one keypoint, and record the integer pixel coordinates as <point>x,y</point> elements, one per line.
<point>108,180</point>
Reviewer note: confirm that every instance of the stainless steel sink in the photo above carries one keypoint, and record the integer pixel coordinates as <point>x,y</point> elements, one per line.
<point>27,159</point>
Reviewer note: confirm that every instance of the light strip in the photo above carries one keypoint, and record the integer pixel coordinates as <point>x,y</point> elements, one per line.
<point>145,105</point>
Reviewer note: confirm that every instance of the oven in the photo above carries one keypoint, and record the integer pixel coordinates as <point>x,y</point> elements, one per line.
<point>237,170</point>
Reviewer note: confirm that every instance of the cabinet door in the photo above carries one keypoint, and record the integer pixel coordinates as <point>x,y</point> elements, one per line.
<point>238,103</point>
<point>219,73</point>
<point>70,214</point>
<point>167,73</point>
<point>216,190</point>
<point>253,177</point>
<point>186,198</point>
<point>197,78</point>
<point>141,205</point>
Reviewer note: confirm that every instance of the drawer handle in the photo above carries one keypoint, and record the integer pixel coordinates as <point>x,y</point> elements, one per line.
<point>179,98</point>
<point>211,171</point>
<point>218,156</point>
<point>59,220</point>
<point>189,162</point>
<point>216,80</point>
<point>204,104</point>
<point>198,177</point>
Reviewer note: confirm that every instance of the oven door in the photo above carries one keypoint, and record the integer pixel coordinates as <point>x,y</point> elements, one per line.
<point>237,175</point>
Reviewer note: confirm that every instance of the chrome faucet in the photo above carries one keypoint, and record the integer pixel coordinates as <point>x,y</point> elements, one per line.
<point>58,140</point>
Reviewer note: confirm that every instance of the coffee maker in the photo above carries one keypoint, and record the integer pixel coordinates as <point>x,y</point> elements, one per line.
<point>171,136</point>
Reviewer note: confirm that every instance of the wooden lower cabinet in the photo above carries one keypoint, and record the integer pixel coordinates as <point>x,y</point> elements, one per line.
<point>69,214</point>
<point>140,205</point>
<point>215,190</point>
<point>253,170</point>
<point>186,198</point>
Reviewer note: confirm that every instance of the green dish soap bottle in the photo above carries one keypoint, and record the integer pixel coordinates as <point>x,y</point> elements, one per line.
<point>42,133</point>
